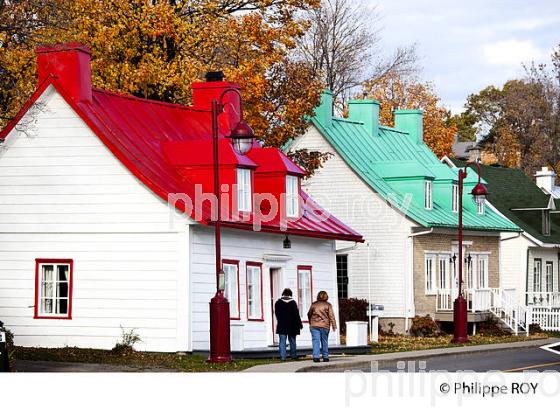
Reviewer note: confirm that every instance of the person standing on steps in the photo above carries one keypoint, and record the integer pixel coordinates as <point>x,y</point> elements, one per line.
<point>288,323</point>
<point>321,319</point>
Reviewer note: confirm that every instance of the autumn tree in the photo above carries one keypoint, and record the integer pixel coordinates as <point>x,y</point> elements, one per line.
<point>156,49</point>
<point>395,91</point>
<point>343,48</point>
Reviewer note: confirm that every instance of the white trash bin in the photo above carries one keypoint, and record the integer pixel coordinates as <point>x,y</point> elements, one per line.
<point>356,333</point>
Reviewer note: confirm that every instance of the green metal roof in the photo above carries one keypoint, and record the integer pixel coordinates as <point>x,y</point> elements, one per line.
<point>510,191</point>
<point>394,164</point>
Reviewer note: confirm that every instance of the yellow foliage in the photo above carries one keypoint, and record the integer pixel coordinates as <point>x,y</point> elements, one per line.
<point>394,92</point>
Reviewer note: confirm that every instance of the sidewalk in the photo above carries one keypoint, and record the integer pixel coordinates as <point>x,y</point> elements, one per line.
<point>358,362</point>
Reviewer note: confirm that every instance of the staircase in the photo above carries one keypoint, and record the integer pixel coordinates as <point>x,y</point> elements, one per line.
<point>508,313</point>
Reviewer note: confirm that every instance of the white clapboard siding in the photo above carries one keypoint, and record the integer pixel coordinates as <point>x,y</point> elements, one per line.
<point>247,246</point>
<point>64,195</point>
<point>346,196</point>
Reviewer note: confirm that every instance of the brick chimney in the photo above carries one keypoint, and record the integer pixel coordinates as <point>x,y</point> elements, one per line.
<point>70,63</point>
<point>204,93</point>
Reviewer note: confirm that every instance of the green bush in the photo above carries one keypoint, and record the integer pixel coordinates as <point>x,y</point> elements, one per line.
<point>425,326</point>
<point>350,310</point>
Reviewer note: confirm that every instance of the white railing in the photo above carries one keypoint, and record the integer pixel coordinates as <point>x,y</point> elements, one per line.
<point>545,299</point>
<point>500,302</point>
<point>548,318</point>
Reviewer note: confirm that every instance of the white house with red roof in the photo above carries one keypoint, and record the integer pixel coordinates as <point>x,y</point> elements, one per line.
<point>106,220</point>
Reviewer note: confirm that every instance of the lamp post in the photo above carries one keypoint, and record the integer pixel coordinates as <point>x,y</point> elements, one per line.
<point>242,137</point>
<point>479,194</point>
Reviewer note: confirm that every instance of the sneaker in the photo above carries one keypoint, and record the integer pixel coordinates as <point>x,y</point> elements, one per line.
<point>325,359</point>
<point>316,360</point>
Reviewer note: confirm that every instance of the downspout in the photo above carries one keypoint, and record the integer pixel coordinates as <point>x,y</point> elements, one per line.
<point>411,273</point>
<point>527,279</point>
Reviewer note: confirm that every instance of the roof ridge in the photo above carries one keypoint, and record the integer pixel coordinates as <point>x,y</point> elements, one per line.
<point>148,101</point>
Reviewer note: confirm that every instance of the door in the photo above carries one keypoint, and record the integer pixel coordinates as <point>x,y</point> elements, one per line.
<point>275,293</point>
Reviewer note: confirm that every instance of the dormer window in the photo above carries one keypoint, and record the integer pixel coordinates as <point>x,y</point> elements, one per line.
<point>244,203</point>
<point>480,208</point>
<point>455,198</point>
<point>428,194</point>
<point>546,222</point>
<point>292,196</point>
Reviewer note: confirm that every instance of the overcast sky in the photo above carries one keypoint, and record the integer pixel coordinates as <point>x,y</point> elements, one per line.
<point>467,45</point>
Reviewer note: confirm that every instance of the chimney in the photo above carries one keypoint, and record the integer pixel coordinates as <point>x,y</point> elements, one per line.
<point>70,63</point>
<point>410,121</point>
<point>366,112</point>
<point>545,179</point>
<point>324,112</point>
<point>213,88</point>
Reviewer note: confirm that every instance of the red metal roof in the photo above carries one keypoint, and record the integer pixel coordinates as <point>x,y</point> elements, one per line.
<point>137,130</point>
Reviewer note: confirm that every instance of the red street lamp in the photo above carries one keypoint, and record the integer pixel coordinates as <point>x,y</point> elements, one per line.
<point>479,194</point>
<point>242,137</point>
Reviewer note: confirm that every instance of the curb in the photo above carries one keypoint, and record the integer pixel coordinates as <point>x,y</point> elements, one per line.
<point>359,362</point>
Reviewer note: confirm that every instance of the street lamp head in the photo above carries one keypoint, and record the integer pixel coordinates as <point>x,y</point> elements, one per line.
<point>242,136</point>
<point>479,193</point>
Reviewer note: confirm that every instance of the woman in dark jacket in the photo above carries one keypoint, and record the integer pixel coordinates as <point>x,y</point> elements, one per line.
<point>288,323</point>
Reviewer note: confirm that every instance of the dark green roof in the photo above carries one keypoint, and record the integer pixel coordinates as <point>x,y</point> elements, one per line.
<point>511,190</point>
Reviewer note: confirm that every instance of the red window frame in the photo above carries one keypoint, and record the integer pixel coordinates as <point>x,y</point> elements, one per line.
<point>235,262</point>
<point>310,269</point>
<point>40,261</point>
<point>259,265</point>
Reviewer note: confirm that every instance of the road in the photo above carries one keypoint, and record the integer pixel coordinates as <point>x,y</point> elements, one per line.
<point>511,360</point>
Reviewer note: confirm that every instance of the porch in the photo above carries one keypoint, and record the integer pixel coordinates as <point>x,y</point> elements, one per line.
<point>543,299</point>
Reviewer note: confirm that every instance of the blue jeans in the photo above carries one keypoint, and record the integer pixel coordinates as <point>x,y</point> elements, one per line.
<point>282,346</point>
<point>320,341</point>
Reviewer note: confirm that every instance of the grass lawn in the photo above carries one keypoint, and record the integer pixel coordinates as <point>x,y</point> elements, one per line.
<point>172,361</point>
<point>392,344</point>
<point>195,363</point>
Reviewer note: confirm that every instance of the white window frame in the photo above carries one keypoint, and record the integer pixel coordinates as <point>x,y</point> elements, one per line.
<point>428,195</point>
<point>231,287</point>
<point>444,271</point>
<point>537,275</point>
<point>254,291</point>
<point>292,196</point>
<point>482,272</point>
<point>549,275</point>
<point>430,273</point>
<point>55,297</point>
<point>244,190</point>
<point>480,207</point>
<point>305,289</point>
<point>454,198</point>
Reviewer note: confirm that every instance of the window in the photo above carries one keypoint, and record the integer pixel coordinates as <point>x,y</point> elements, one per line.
<point>428,194</point>
<point>548,277</point>
<point>254,291</point>
<point>455,198</point>
<point>537,276</point>
<point>430,265</point>
<point>480,207</point>
<point>342,276</point>
<point>546,222</point>
<point>231,286</point>
<point>469,266</point>
<point>244,189</point>
<point>443,271</point>
<point>292,196</point>
<point>482,268</point>
<point>305,289</point>
<point>53,288</point>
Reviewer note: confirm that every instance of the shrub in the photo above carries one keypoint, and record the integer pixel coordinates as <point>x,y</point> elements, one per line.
<point>490,327</point>
<point>535,328</point>
<point>127,342</point>
<point>389,331</point>
<point>351,309</point>
<point>425,326</point>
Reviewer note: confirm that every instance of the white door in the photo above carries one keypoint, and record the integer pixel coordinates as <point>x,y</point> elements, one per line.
<point>275,293</point>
